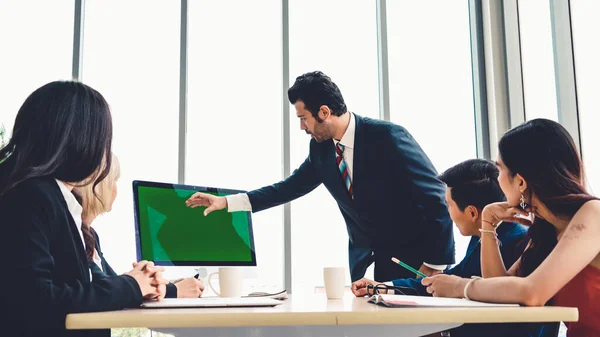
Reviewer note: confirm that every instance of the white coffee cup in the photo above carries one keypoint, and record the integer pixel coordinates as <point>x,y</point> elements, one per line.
<point>334,278</point>
<point>230,281</point>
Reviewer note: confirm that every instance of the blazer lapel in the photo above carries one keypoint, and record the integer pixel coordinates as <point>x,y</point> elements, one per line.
<point>79,248</point>
<point>359,159</point>
<point>78,245</point>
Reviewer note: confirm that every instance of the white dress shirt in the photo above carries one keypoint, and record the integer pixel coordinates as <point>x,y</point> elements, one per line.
<point>241,202</point>
<point>97,259</point>
<point>74,208</point>
<point>348,142</point>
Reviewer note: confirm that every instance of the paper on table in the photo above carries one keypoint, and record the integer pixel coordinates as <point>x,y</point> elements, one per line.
<point>282,295</point>
<point>424,301</point>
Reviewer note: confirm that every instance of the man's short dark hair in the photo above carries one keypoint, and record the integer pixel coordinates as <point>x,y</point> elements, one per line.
<point>316,89</point>
<point>473,182</point>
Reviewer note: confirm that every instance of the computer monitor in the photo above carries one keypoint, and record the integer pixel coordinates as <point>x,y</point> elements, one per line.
<point>171,234</point>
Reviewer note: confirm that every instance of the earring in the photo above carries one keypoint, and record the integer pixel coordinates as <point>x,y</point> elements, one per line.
<point>523,204</point>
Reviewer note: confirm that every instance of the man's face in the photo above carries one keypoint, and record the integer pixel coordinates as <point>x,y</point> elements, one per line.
<point>318,130</point>
<point>464,221</point>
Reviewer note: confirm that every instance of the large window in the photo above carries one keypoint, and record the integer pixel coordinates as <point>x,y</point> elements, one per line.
<point>431,88</point>
<point>131,55</point>
<point>537,57</point>
<point>36,39</point>
<point>585,27</point>
<point>234,133</point>
<point>339,38</point>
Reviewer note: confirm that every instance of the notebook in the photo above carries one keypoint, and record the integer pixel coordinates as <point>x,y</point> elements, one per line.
<point>212,302</point>
<point>397,301</point>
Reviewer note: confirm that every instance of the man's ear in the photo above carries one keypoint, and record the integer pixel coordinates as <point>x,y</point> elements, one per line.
<point>473,212</point>
<point>324,112</point>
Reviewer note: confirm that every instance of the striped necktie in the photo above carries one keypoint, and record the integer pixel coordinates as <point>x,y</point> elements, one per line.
<point>341,163</point>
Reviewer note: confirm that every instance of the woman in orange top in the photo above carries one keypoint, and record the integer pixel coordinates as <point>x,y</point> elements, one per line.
<point>541,174</point>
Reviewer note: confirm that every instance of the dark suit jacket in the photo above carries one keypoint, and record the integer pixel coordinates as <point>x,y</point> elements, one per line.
<point>45,266</point>
<point>107,270</point>
<point>398,208</point>
<point>514,241</point>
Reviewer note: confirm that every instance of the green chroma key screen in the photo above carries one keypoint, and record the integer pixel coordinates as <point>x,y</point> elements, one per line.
<point>170,233</point>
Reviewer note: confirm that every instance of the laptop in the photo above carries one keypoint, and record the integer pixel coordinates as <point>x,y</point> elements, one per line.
<point>169,233</point>
<point>212,302</point>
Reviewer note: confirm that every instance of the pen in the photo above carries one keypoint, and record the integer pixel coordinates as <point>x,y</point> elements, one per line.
<point>408,267</point>
<point>181,279</point>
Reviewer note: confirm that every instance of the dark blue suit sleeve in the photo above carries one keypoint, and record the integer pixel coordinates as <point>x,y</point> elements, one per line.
<point>420,178</point>
<point>459,270</point>
<point>171,291</point>
<point>414,283</point>
<point>302,181</point>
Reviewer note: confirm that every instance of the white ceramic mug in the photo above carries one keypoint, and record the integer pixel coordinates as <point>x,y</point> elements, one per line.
<point>230,281</point>
<point>334,278</point>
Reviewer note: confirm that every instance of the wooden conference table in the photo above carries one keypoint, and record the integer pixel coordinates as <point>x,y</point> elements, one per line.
<point>313,315</point>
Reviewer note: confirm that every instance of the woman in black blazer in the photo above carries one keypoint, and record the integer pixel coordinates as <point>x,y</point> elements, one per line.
<point>99,200</point>
<point>62,136</point>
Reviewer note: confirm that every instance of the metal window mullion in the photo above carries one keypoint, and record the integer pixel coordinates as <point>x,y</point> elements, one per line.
<point>382,58</point>
<point>514,69</point>
<point>482,130</point>
<point>78,18</point>
<point>183,68</point>
<point>564,68</point>
<point>285,110</point>
<point>495,69</point>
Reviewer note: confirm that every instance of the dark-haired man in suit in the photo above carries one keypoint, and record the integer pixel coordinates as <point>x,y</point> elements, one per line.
<point>380,177</point>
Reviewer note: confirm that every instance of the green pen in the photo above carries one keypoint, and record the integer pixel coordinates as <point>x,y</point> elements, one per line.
<point>408,267</point>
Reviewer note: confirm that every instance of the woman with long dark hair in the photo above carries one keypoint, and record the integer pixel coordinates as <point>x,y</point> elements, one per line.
<point>542,176</point>
<point>61,138</point>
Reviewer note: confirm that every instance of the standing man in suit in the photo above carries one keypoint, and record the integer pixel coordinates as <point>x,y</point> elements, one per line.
<point>384,184</point>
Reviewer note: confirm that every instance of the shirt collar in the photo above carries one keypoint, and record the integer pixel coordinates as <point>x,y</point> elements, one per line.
<point>348,137</point>
<point>72,204</point>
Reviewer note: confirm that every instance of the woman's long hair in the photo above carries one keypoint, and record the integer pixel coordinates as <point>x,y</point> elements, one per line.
<point>62,130</point>
<point>544,154</point>
<point>96,200</point>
